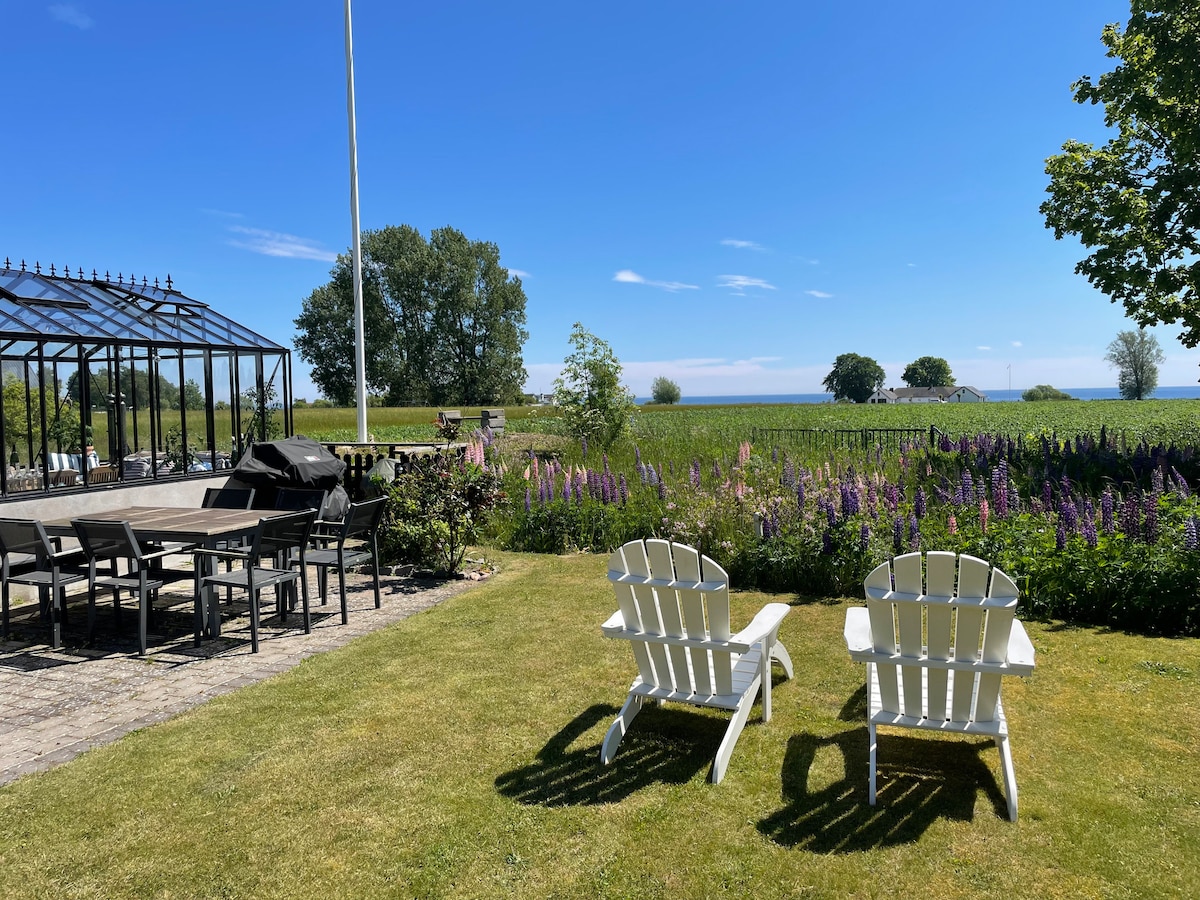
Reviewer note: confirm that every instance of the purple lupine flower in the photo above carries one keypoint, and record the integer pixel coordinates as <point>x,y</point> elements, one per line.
<point>566,493</point>
<point>830,515</point>
<point>898,533</point>
<point>1181,486</point>
<point>872,501</point>
<point>1131,518</point>
<point>580,483</point>
<point>1068,516</point>
<point>1047,495</point>
<point>641,470</point>
<point>1156,480</point>
<point>528,500</point>
<point>1000,489</point>
<point>606,492</point>
<point>864,537</point>
<point>1189,534</point>
<point>695,474</point>
<point>622,489</point>
<point>662,490</point>
<point>957,497</point>
<point>1150,522</point>
<point>788,479</point>
<point>800,495</point>
<point>774,454</point>
<point>844,496</point>
<point>651,475</point>
<point>919,504</point>
<point>637,453</point>
<point>914,533</point>
<point>1089,532</point>
<point>1060,538</point>
<point>827,542</point>
<point>968,486</point>
<point>1106,512</point>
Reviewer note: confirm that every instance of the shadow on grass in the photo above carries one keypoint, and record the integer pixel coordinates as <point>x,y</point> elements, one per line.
<point>920,780</point>
<point>665,746</point>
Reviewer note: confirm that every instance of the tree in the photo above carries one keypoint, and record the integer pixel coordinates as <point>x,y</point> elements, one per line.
<point>854,378</point>
<point>1137,198</point>
<point>444,323</point>
<point>1136,357</point>
<point>664,390</point>
<point>589,392</point>
<point>928,371</point>
<point>1044,392</point>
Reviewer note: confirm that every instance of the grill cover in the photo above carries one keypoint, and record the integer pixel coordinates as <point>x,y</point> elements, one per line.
<point>293,462</point>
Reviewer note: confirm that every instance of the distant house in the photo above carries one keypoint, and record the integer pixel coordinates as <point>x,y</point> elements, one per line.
<point>941,394</point>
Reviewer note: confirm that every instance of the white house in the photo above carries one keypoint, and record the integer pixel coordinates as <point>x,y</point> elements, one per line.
<point>941,394</point>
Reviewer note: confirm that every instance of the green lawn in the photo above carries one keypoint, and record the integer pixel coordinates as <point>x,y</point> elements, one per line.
<point>455,754</point>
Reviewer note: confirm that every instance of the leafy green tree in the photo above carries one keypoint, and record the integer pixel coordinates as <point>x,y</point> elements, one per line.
<point>1136,199</point>
<point>664,390</point>
<point>444,323</point>
<point>1136,356</point>
<point>854,378</point>
<point>928,371</point>
<point>594,403</point>
<point>1044,392</point>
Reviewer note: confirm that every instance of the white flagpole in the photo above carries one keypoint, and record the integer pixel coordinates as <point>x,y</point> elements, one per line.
<point>360,356</point>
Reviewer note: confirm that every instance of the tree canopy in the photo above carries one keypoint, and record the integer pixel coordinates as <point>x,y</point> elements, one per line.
<point>595,404</point>
<point>1136,199</point>
<point>1045,392</point>
<point>854,378</point>
<point>444,323</point>
<point>664,390</point>
<point>928,371</point>
<point>1136,356</point>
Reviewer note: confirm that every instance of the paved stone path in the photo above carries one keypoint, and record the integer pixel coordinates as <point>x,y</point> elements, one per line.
<point>56,704</point>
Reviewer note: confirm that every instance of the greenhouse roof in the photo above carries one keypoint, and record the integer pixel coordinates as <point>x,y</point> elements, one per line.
<point>65,309</point>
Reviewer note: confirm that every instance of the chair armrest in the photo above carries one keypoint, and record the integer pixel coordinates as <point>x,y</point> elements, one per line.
<point>614,626</point>
<point>220,554</point>
<point>166,551</point>
<point>1020,649</point>
<point>763,624</point>
<point>857,632</point>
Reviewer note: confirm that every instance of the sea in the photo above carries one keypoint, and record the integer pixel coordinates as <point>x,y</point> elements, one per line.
<point>1183,392</point>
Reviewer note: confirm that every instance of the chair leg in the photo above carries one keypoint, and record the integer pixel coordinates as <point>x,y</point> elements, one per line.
<point>1010,778</point>
<point>872,752</point>
<point>304,600</point>
<point>253,621</point>
<point>4,593</point>
<point>143,620</point>
<point>198,610</point>
<point>779,652</point>
<point>375,579</point>
<point>732,733</point>
<point>342,588</point>
<point>620,725</point>
<point>58,600</point>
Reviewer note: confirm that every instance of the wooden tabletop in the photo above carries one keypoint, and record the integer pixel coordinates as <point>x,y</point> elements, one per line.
<point>195,525</point>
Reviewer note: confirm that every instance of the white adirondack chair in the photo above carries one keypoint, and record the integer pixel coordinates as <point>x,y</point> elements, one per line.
<point>936,651</point>
<point>674,611</point>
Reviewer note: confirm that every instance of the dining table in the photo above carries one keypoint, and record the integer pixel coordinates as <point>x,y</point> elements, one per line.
<point>203,527</point>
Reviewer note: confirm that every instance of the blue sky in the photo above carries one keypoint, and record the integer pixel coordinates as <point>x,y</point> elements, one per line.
<point>730,194</point>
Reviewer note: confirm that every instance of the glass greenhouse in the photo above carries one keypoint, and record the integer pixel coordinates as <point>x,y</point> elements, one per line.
<point>110,380</point>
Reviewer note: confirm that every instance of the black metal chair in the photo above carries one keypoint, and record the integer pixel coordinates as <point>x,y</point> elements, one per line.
<point>228,498</point>
<point>276,537</point>
<point>361,524</point>
<point>110,541</point>
<point>31,557</point>
<point>301,498</point>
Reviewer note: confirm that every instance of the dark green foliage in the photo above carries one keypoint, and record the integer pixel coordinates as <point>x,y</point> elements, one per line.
<point>665,391</point>
<point>854,377</point>
<point>928,371</point>
<point>444,323</point>
<point>435,510</point>
<point>1136,199</point>
<point>1044,392</point>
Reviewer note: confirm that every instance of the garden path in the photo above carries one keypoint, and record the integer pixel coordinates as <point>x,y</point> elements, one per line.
<point>56,704</point>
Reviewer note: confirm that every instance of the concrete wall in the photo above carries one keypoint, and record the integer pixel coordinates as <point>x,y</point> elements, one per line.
<point>64,503</point>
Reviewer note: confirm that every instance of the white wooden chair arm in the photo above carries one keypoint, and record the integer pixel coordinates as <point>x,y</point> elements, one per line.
<point>1020,648</point>
<point>857,631</point>
<point>763,624</point>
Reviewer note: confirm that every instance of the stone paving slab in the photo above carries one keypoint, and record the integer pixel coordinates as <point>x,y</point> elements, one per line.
<point>56,704</point>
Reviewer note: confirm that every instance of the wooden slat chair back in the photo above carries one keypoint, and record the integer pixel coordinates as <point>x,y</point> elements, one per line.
<point>938,633</point>
<point>673,608</point>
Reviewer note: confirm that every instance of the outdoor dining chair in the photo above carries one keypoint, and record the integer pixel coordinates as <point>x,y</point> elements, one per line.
<point>361,525</point>
<point>31,557</point>
<point>276,537</point>
<point>109,541</point>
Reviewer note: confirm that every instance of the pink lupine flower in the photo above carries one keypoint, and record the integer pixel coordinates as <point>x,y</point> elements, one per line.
<point>952,525</point>
<point>983,514</point>
<point>525,474</point>
<point>743,453</point>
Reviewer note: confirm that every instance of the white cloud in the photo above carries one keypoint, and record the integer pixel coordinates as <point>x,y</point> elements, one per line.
<point>742,245</point>
<point>1016,343</point>
<point>911,265</point>
<point>274,243</point>
<point>518,273</point>
<point>739,283</point>
<point>820,295</point>
<point>628,276</point>
<point>983,347</point>
<point>70,14</point>
<point>222,213</point>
